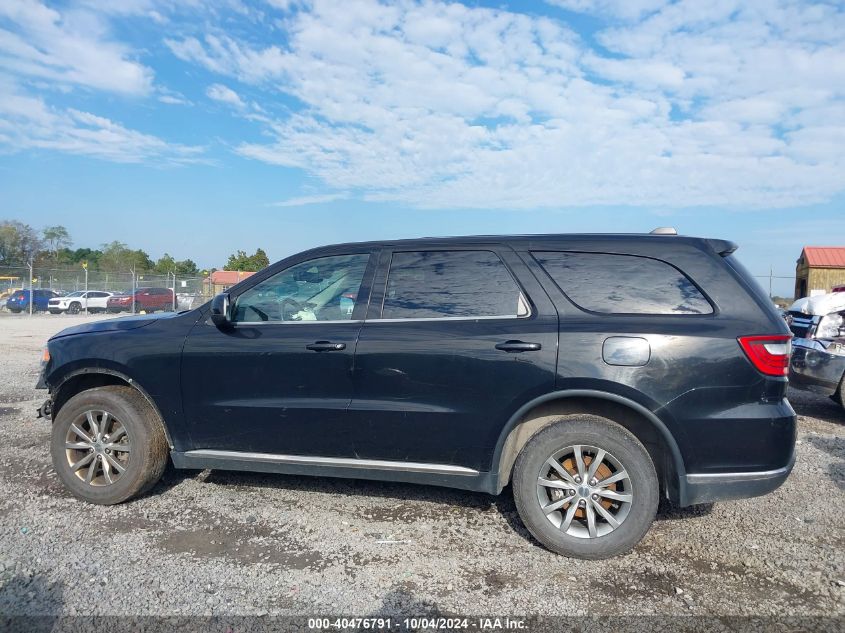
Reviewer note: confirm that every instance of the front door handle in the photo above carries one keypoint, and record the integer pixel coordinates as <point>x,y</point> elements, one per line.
<point>325,346</point>
<point>515,347</point>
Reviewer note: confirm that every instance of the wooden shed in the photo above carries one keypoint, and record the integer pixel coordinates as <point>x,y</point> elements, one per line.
<point>819,269</point>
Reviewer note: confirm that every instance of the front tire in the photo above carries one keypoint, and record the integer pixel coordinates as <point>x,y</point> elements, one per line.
<point>108,445</point>
<point>74,308</point>
<point>586,488</point>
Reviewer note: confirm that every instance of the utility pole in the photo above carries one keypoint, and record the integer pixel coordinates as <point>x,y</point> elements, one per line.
<point>85,266</point>
<point>771,274</point>
<point>174,290</point>
<point>133,290</point>
<point>31,289</point>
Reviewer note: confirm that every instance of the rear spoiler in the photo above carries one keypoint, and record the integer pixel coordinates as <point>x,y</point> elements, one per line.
<point>722,247</point>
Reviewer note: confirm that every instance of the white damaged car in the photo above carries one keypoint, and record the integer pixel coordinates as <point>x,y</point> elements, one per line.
<point>818,356</point>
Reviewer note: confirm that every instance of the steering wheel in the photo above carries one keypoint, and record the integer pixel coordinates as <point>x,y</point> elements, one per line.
<point>263,316</point>
<point>289,307</point>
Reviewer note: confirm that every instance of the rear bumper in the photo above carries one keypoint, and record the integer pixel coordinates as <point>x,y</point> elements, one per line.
<point>709,487</point>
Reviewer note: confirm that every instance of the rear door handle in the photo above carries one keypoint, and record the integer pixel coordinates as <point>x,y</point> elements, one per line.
<point>326,346</point>
<point>514,347</point>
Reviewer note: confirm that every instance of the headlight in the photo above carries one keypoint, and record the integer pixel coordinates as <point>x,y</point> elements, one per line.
<point>830,326</point>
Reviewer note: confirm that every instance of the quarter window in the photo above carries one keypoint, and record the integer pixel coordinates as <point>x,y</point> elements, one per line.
<point>623,284</point>
<point>443,284</point>
<point>323,289</point>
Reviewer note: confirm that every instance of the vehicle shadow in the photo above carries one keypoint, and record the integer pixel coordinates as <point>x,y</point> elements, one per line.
<point>812,405</point>
<point>354,488</point>
<point>29,603</point>
<point>471,502</point>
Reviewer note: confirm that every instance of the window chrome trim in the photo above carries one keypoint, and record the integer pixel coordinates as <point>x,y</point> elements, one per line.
<point>336,462</point>
<point>510,317</point>
<point>334,322</point>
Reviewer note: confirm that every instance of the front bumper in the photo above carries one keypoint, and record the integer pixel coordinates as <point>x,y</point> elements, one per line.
<point>709,487</point>
<point>817,365</point>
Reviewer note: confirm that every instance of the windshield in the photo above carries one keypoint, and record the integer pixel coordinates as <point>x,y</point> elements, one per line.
<point>78,293</point>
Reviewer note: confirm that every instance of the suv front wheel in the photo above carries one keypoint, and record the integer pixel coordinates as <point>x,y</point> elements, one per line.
<point>108,445</point>
<point>586,487</point>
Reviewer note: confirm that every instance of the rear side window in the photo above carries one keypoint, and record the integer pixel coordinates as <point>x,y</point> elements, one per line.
<point>444,284</point>
<point>623,284</point>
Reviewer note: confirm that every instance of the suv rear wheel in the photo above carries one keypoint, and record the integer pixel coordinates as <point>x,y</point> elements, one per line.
<point>586,487</point>
<point>108,445</point>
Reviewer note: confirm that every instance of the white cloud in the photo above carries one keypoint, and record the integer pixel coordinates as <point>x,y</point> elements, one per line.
<point>224,94</point>
<point>302,201</point>
<point>72,48</point>
<point>625,9</point>
<point>26,122</point>
<point>442,105</point>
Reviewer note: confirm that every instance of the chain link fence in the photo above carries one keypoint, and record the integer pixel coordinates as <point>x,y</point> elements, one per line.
<point>189,291</point>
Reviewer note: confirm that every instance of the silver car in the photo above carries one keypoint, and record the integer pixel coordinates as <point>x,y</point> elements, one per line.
<point>818,356</point>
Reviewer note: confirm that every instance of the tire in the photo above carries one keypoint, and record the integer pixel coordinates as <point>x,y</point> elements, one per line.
<point>14,311</point>
<point>623,452</point>
<point>55,311</point>
<point>143,431</point>
<point>74,308</point>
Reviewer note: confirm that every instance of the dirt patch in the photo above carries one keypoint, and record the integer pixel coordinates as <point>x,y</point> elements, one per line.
<point>644,583</point>
<point>202,544</point>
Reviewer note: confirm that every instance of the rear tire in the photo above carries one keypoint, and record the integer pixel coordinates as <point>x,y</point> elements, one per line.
<point>127,458</point>
<point>588,534</point>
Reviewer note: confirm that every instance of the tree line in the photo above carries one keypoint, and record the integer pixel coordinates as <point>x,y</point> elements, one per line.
<point>21,244</point>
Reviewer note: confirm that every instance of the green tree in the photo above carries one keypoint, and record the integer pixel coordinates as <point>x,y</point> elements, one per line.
<point>56,237</point>
<point>186,267</point>
<point>118,257</point>
<point>165,264</point>
<point>19,242</point>
<point>92,256</point>
<point>248,263</point>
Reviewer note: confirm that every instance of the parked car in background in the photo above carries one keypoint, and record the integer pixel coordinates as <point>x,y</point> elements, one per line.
<point>5,294</point>
<point>19,301</point>
<point>818,357</point>
<point>146,300</point>
<point>595,374</point>
<point>76,302</point>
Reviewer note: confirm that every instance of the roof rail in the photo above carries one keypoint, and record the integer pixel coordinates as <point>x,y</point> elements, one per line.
<point>664,230</point>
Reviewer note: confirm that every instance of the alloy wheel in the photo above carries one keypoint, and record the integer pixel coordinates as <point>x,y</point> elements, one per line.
<point>584,491</point>
<point>98,448</point>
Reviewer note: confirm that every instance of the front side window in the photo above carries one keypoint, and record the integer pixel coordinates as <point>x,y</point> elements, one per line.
<point>623,284</point>
<point>323,289</point>
<point>443,284</point>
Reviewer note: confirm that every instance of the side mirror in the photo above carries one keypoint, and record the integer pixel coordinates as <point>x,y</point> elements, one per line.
<point>220,310</point>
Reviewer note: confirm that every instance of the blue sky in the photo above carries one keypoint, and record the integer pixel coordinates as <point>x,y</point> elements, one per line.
<point>198,128</point>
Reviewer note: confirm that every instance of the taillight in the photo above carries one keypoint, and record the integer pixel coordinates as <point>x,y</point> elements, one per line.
<point>20,297</point>
<point>769,354</point>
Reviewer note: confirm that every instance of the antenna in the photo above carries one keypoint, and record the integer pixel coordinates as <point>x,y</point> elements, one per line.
<point>664,230</point>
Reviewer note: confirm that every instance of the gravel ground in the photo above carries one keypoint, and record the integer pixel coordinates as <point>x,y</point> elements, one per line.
<point>216,542</point>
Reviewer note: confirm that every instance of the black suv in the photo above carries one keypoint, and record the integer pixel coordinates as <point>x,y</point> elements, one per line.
<point>595,373</point>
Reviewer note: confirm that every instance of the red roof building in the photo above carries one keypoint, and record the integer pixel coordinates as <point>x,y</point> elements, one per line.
<point>222,280</point>
<point>820,269</point>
